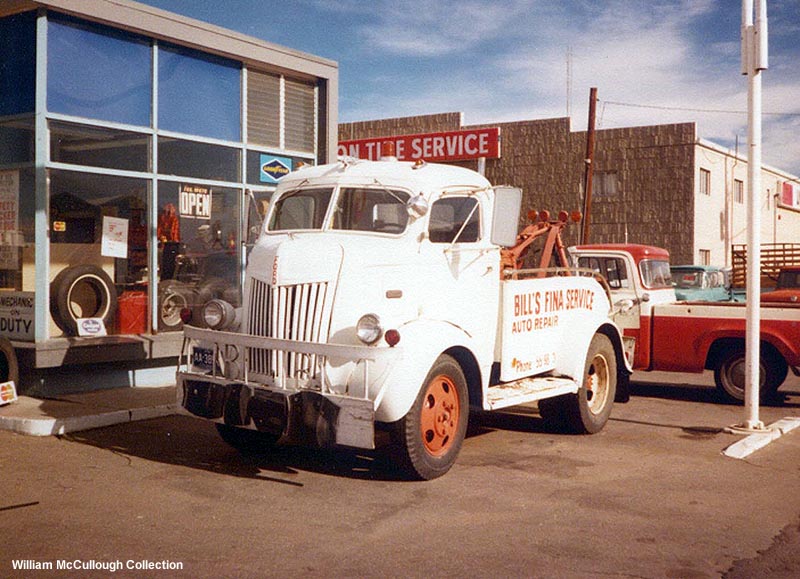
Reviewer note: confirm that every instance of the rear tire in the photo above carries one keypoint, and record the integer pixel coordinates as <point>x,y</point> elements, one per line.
<point>429,437</point>
<point>587,411</point>
<point>730,374</point>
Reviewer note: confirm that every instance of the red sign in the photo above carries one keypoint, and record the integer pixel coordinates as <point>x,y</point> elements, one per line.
<point>433,147</point>
<point>790,196</point>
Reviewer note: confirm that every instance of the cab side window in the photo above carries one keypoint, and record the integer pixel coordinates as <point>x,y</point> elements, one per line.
<point>452,215</point>
<point>613,269</point>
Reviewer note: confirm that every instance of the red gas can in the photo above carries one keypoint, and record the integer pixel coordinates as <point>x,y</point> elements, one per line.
<point>132,312</point>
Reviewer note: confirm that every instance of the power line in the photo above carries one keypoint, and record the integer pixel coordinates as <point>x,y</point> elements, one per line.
<point>684,109</point>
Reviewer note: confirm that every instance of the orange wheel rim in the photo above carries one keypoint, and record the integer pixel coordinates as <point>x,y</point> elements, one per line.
<point>440,415</point>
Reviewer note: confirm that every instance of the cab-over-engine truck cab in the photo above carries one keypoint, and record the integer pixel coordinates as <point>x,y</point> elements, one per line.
<point>375,296</point>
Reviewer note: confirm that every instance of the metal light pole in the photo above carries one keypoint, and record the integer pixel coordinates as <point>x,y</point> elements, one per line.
<point>754,60</point>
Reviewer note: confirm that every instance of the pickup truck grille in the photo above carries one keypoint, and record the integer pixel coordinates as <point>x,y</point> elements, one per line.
<point>299,312</point>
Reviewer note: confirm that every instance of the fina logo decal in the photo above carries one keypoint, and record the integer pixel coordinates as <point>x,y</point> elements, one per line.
<point>274,168</point>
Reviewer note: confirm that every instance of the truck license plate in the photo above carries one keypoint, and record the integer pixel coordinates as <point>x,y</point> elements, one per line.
<point>202,358</point>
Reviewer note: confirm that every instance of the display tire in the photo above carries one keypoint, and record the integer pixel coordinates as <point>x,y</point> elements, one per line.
<point>173,296</point>
<point>82,291</point>
<point>9,366</point>
<point>429,437</point>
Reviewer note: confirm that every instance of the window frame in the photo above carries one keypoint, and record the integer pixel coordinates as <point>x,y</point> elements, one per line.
<point>738,191</point>
<point>704,185</point>
<point>474,212</point>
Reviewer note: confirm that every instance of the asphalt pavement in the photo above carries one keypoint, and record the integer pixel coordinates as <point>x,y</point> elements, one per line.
<point>651,495</point>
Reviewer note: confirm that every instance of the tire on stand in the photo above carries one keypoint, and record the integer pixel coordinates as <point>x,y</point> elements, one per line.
<point>82,291</point>
<point>587,411</point>
<point>429,438</point>
<point>730,374</point>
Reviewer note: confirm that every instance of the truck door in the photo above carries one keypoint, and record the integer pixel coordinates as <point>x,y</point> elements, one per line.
<point>465,266</point>
<point>625,299</point>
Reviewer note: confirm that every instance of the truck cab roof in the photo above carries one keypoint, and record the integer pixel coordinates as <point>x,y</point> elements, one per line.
<point>420,176</point>
<point>637,251</point>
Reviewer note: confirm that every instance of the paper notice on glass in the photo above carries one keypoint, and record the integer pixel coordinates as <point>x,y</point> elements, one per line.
<point>10,237</point>
<point>115,237</point>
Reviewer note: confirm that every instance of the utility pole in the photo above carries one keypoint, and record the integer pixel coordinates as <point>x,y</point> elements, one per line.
<point>589,168</point>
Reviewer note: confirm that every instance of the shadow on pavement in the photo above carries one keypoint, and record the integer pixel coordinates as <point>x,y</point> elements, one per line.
<point>193,443</point>
<point>185,441</point>
<point>706,394</point>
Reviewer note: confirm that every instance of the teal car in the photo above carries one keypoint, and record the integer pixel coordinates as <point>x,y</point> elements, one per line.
<point>701,283</point>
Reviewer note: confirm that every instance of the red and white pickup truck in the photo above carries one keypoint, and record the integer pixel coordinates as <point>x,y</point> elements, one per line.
<point>663,334</point>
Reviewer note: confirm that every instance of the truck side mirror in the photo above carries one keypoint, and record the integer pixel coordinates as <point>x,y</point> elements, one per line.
<point>505,215</point>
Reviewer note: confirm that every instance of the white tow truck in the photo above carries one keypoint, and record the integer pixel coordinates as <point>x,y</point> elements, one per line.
<point>392,295</point>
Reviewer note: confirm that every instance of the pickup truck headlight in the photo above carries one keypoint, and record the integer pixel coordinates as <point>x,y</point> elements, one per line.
<point>219,314</point>
<point>369,329</point>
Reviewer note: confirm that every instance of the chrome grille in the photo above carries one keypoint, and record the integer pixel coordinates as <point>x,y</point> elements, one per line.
<point>298,312</point>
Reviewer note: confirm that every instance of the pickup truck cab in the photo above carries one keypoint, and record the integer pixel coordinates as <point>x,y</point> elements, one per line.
<point>701,283</point>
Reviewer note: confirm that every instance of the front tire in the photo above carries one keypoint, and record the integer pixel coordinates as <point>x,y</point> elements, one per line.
<point>430,436</point>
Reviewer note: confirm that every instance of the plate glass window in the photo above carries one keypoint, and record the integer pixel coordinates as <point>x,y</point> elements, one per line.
<point>199,94</point>
<point>98,73</point>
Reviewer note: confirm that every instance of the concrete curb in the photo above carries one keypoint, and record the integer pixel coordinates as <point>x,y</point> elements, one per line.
<point>76,412</point>
<point>53,426</point>
<point>753,442</point>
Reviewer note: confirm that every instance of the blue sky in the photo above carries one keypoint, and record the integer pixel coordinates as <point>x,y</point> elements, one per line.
<point>652,61</point>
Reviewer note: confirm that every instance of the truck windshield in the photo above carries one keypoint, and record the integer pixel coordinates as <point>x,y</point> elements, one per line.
<point>789,279</point>
<point>301,209</point>
<point>357,209</point>
<point>379,210</point>
<point>655,274</point>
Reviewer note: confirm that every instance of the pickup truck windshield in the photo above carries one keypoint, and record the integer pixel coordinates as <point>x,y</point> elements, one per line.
<point>655,274</point>
<point>357,209</point>
<point>789,279</point>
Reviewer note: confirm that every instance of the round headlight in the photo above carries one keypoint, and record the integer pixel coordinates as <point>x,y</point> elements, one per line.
<point>369,329</point>
<point>218,314</point>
